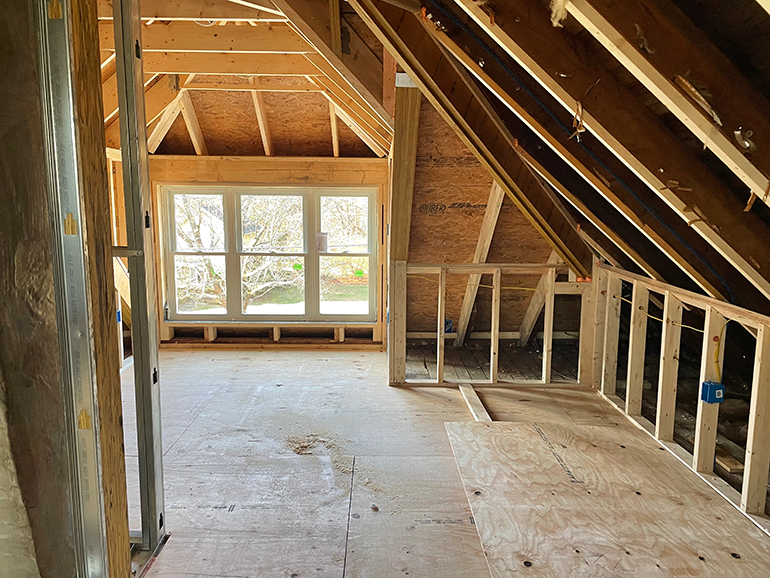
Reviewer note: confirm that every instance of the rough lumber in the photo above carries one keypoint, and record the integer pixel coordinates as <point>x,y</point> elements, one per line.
<point>358,64</point>
<point>335,129</point>
<point>757,462</point>
<point>191,37</point>
<point>706,420</point>
<point>191,121</point>
<point>264,126</point>
<point>474,403</point>
<point>564,159</point>
<point>206,10</point>
<point>158,129</point>
<point>708,206</point>
<point>251,87</point>
<point>407,122</point>
<point>678,47</point>
<point>491,212</point>
<point>536,304</point>
<point>558,499</point>
<point>476,124</point>
<point>637,340</point>
<point>611,335</point>
<point>227,63</point>
<point>669,368</point>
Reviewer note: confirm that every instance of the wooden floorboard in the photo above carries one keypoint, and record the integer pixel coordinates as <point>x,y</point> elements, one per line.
<point>559,499</point>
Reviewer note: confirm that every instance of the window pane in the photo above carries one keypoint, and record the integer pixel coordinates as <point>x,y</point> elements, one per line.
<point>200,284</point>
<point>344,285</point>
<point>200,222</point>
<point>272,223</point>
<point>273,285</point>
<point>346,222</point>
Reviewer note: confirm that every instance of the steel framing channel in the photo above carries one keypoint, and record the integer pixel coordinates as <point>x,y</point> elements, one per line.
<point>71,286</point>
<point>141,267</point>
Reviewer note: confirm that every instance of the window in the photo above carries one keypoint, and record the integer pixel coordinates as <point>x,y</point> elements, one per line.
<point>270,254</point>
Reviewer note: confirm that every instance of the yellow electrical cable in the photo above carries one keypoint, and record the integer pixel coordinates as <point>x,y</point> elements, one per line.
<point>657,318</point>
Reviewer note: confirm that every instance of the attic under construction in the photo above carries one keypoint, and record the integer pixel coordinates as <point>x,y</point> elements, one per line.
<point>385,288</point>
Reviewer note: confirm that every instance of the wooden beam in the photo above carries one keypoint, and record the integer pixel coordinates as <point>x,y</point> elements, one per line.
<point>157,98</point>
<point>397,323</point>
<point>765,4</point>
<point>335,129</point>
<point>494,327</point>
<point>441,329</point>
<point>669,368</point>
<point>611,335</point>
<point>536,304</point>
<point>706,420</point>
<point>582,195</point>
<point>158,129</point>
<point>706,204</point>
<point>199,10</point>
<point>389,66</point>
<point>403,169</point>
<point>256,86</point>
<point>264,127</point>
<point>360,132</point>
<point>637,340</point>
<point>548,314</point>
<point>757,462</point>
<point>488,224</point>
<point>191,37</point>
<point>210,333</point>
<point>226,63</point>
<point>335,28</point>
<point>475,122</point>
<point>358,65</point>
<point>191,121</point>
<point>676,46</point>
<point>474,403</point>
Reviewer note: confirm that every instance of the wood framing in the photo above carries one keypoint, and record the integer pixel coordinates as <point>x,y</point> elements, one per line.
<point>191,121</point>
<point>707,205</point>
<point>678,48</point>
<point>475,405</point>
<point>629,205</point>
<point>206,10</point>
<point>227,63</point>
<point>264,126</point>
<point>475,122</point>
<point>488,224</point>
<point>669,367</point>
<point>536,305</point>
<point>637,340</point>
<point>278,38</point>
<point>757,462</point>
<point>611,335</point>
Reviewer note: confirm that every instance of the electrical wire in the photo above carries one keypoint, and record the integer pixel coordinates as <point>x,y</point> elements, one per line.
<point>657,318</point>
<point>550,113</point>
<point>485,286</point>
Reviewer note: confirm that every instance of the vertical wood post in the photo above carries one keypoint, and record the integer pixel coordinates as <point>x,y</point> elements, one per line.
<point>586,335</point>
<point>757,464</point>
<point>441,328</point>
<point>611,335</point>
<point>708,413</point>
<point>550,286</point>
<point>600,314</point>
<point>397,323</point>
<point>494,336</point>
<point>669,368</point>
<point>636,349</point>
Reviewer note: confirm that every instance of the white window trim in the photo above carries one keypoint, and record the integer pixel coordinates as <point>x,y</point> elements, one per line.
<point>312,222</point>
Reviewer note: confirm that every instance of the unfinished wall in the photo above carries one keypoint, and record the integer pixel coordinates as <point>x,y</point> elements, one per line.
<point>450,194</point>
<point>29,357</point>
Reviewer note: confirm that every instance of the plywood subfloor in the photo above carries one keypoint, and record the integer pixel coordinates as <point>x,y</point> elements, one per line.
<point>553,498</point>
<point>306,464</point>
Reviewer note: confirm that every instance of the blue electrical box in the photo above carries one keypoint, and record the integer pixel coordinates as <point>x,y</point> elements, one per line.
<point>712,392</point>
<point>447,326</point>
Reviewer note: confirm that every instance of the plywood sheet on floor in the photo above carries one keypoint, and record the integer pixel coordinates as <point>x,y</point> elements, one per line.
<point>558,499</point>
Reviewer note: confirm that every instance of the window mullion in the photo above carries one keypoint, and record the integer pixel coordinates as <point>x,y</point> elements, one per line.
<point>312,226</point>
<point>232,261</point>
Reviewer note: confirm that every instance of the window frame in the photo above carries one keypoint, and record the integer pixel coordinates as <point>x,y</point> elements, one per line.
<point>311,203</point>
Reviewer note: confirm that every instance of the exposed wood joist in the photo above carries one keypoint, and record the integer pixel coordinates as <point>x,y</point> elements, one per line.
<point>335,129</point>
<point>536,119</point>
<point>191,121</point>
<point>476,124</point>
<point>204,10</point>
<point>358,65</point>
<point>264,126</point>
<point>157,129</point>
<point>255,86</point>
<point>157,98</point>
<point>676,46</point>
<point>226,63</point>
<point>705,202</point>
<point>360,132</point>
<point>335,30</point>
<point>488,224</point>
<point>191,37</point>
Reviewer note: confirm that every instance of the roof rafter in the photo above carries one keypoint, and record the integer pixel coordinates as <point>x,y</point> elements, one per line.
<point>479,128</point>
<point>676,46</point>
<point>704,202</point>
<point>211,10</point>
<point>227,63</point>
